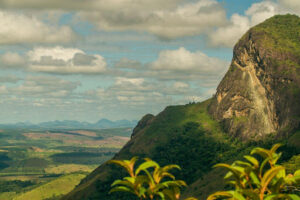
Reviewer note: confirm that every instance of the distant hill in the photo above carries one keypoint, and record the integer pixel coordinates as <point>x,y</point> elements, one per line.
<point>256,104</point>
<point>72,124</point>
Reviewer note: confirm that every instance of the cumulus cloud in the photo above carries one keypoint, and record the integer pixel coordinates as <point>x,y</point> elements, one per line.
<point>12,60</point>
<point>179,65</point>
<point>139,91</point>
<point>183,65</point>
<point>89,4</point>
<point>293,5</point>
<point>166,19</point>
<point>55,60</point>
<point>258,12</point>
<point>45,86</point>
<point>184,60</point>
<point>167,23</point>
<point>228,35</point>
<point>16,28</point>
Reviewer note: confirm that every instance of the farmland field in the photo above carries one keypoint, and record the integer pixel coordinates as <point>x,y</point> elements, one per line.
<point>33,159</point>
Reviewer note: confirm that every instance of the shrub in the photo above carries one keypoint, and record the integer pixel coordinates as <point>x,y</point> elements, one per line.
<point>149,180</point>
<point>254,180</point>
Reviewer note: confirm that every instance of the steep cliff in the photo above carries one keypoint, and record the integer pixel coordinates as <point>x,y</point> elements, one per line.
<point>260,93</point>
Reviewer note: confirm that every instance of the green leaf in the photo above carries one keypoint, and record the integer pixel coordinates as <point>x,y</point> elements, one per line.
<point>146,165</point>
<point>242,163</point>
<point>263,164</point>
<point>262,152</point>
<point>121,189</point>
<point>124,183</point>
<point>274,148</point>
<point>216,195</point>
<point>268,176</point>
<point>253,160</point>
<point>255,179</point>
<point>161,194</point>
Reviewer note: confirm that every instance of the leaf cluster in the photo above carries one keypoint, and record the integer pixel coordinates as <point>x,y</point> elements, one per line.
<point>255,180</point>
<point>149,180</point>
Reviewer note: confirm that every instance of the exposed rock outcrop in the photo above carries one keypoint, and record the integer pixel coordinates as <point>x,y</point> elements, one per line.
<point>259,95</point>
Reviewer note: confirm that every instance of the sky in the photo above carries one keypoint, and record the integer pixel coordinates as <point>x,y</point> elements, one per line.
<point>117,59</point>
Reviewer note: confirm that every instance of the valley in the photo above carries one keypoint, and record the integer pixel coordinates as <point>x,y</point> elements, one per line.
<point>38,158</point>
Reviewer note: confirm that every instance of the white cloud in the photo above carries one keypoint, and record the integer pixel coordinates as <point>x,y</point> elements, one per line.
<point>12,60</point>
<point>166,19</point>
<point>44,86</point>
<point>293,5</point>
<point>57,53</point>
<point>180,85</point>
<point>167,22</point>
<point>137,91</point>
<point>258,12</point>
<point>179,65</point>
<point>129,81</point>
<point>55,60</point>
<point>228,35</point>
<point>16,28</point>
<point>186,61</point>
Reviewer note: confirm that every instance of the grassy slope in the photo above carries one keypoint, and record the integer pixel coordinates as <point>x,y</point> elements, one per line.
<point>184,135</point>
<point>167,125</point>
<point>57,187</point>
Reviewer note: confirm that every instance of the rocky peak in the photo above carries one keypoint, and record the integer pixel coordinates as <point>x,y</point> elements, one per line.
<point>260,93</point>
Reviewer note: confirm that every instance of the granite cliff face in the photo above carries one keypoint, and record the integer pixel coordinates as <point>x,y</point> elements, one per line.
<point>259,95</point>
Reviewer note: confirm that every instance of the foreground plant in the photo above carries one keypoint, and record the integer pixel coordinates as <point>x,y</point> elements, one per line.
<point>254,180</point>
<point>149,180</point>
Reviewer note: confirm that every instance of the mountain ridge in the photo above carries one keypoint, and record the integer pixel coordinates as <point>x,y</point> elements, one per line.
<point>195,136</point>
<point>73,124</point>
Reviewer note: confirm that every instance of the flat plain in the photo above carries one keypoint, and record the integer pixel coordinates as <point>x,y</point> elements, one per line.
<point>33,161</point>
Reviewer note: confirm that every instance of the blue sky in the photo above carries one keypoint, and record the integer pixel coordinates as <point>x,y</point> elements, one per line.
<point>117,59</point>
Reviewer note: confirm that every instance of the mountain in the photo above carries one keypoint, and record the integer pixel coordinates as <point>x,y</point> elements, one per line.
<point>260,93</point>
<point>257,103</point>
<point>72,124</point>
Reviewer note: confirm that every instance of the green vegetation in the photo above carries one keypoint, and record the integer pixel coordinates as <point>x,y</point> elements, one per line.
<point>203,152</point>
<point>14,186</point>
<point>55,188</point>
<point>146,184</point>
<point>86,158</point>
<point>259,177</point>
<point>255,180</point>
<point>186,136</point>
<point>30,158</point>
<point>283,33</point>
